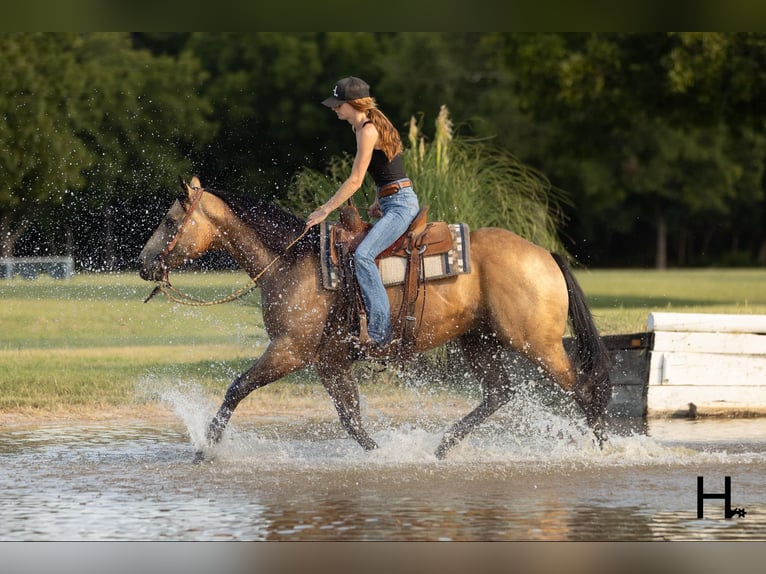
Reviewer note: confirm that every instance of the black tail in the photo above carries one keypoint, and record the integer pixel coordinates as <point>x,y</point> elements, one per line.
<point>594,388</point>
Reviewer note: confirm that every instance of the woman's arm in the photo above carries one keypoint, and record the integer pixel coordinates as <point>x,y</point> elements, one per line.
<point>366,138</point>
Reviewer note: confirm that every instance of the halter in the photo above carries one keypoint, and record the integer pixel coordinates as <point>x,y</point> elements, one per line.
<point>187,217</point>
<point>178,296</point>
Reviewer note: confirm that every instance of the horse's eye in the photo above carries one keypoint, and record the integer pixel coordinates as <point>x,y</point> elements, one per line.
<point>169,224</point>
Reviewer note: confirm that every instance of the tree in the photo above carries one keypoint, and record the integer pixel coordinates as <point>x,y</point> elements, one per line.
<point>265,90</point>
<point>144,119</point>
<point>41,156</point>
<point>92,126</point>
<point>635,127</point>
<point>658,139</point>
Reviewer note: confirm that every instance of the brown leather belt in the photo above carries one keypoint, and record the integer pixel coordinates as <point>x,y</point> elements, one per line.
<point>392,188</point>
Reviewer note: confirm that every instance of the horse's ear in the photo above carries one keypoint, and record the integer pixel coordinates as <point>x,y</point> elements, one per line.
<point>185,193</point>
<point>195,183</point>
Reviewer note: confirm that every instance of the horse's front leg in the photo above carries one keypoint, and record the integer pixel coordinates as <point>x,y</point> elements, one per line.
<point>335,375</point>
<point>280,359</point>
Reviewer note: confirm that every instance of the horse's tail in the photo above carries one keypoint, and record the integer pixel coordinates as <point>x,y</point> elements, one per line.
<point>593,389</point>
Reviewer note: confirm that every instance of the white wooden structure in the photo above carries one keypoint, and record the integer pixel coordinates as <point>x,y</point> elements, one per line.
<point>707,364</point>
<point>31,267</point>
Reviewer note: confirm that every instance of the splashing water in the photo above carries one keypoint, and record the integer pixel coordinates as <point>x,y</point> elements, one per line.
<point>524,432</point>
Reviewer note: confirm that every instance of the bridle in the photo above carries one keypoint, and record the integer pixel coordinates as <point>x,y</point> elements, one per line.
<point>163,286</point>
<point>187,217</point>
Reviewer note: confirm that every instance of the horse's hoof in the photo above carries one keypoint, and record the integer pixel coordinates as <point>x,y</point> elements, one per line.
<point>369,445</point>
<point>441,452</point>
<point>215,431</point>
<point>448,441</point>
<point>200,457</point>
<point>599,433</point>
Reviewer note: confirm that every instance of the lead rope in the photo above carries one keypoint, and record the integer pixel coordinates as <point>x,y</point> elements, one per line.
<point>182,298</point>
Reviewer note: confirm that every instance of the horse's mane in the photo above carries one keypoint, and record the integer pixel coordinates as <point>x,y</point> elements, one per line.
<point>276,227</point>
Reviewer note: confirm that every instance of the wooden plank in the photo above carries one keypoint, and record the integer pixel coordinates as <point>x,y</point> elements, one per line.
<point>716,343</point>
<point>627,401</point>
<point>629,368</point>
<point>706,369</point>
<point>705,364</point>
<point>669,399</point>
<point>628,342</point>
<point>711,322</point>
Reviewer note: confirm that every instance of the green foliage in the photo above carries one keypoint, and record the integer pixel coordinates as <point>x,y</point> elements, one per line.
<point>474,182</point>
<point>638,128</point>
<point>41,155</point>
<point>266,89</point>
<point>461,180</point>
<point>140,115</point>
<point>90,122</point>
<point>650,126</point>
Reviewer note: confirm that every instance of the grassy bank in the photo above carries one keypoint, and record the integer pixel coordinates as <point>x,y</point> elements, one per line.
<point>90,341</point>
<point>622,299</point>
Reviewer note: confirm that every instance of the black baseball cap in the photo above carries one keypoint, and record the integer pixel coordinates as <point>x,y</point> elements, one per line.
<point>349,88</point>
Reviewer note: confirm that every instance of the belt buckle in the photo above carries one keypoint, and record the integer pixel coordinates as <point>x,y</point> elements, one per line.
<point>390,189</point>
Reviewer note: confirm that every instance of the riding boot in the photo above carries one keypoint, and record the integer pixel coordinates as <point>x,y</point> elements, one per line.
<point>370,350</point>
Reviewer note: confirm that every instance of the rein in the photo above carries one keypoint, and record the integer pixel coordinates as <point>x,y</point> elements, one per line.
<point>178,296</point>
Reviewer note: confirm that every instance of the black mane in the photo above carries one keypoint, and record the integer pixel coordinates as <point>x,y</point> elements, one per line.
<point>276,227</point>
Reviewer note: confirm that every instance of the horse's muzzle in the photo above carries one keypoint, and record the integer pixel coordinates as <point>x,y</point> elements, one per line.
<point>153,271</point>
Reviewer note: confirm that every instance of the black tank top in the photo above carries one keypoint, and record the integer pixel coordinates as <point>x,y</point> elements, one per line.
<point>383,171</point>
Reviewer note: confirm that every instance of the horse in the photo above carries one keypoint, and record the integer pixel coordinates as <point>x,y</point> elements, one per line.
<point>518,296</point>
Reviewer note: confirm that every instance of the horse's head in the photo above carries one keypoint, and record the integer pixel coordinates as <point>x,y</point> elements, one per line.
<point>184,234</point>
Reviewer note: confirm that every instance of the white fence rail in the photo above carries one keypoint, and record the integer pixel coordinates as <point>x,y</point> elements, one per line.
<point>31,267</point>
<point>707,364</point>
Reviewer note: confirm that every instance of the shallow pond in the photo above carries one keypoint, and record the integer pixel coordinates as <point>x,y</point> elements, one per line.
<point>516,478</point>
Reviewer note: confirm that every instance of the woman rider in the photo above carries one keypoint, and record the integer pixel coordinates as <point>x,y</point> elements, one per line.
<point>379,153</point>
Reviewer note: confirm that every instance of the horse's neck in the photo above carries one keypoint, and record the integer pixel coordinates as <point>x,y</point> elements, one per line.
<point>245,246</point>
<point>247,249</point>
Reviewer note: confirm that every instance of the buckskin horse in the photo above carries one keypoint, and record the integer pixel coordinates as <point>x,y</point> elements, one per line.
<point>518,296</point>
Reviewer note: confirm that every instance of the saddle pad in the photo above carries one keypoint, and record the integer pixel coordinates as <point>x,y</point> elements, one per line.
<point>456,261</point>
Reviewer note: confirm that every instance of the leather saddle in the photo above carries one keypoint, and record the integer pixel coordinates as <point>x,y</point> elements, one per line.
<point>421,238</point>
<point>431,237</point>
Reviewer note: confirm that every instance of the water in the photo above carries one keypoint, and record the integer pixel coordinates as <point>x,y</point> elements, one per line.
<point>539,478</point>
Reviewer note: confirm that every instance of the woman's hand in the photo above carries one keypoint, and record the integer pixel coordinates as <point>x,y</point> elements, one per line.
<point>317,216</point>
<point>374,210</point>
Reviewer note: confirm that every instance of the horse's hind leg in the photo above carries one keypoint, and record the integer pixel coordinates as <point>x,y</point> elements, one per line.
<point>484,354</point>
<point>558,366</point>
<point>336,378</point>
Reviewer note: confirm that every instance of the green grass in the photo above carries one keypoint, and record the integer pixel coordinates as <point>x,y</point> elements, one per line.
<point>621,300</point>
<point>90,340</point>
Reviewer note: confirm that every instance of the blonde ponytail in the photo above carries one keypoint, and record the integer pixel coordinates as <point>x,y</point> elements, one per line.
<point>390,140</point>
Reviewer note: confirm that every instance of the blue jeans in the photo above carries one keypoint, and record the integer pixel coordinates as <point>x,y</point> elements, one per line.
<point>398,212</point>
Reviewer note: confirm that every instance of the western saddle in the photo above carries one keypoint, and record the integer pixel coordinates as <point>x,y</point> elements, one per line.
<point>420,238</point>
